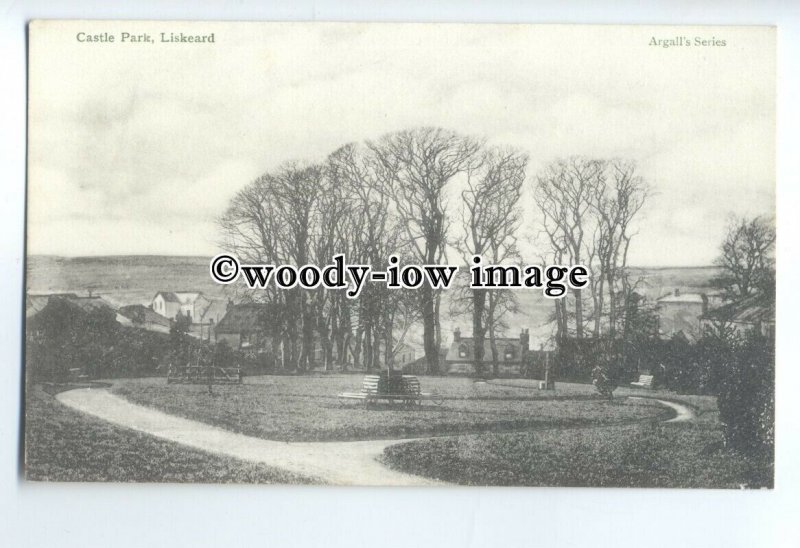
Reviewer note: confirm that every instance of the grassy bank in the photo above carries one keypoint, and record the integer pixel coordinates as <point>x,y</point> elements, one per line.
<point>307,409</point>
<point>65,445</point>
<point>635,455</point>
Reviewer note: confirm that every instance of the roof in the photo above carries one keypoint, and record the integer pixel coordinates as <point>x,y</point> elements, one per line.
<point>35,303</point>
<point>696,298</point>
<point>143,314</point>
<point>245,318</point>
<point>215,309</point>
<point>88,304</point>
<point>182,297</point>
<point>454,354</point>
<point>423,361</point>
<point>753,309</point>
<point>83,305</point>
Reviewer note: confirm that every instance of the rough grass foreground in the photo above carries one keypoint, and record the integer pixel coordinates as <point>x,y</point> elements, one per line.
<point>307,409</point>
<point>65,445</point>
<point>634,455</point>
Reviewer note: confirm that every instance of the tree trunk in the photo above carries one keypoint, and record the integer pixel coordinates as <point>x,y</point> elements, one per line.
<point>612,305</point>
<point>368,349</point>
<point>478,329</point>
<point>429,330</point>
<point>437,317</point>
<point>493,344</point>
<point>358,347</point>
<point>389,338</point>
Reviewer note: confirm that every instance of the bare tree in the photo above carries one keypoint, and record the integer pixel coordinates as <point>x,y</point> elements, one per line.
<point>588,208</point>
<point>414,168</point>
<point>621,195</point>
<point>384,315</point>
<point>490,218</point>
<point>564,193</point>
<point>273,220</point>
<point>746,256</point>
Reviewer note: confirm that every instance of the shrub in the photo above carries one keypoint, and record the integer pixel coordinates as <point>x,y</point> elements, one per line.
<point>63,337</point>
<point>745,384</point>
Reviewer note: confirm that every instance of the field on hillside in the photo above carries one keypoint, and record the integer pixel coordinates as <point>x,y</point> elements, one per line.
<point>121,280</point>
<point>135,279</point>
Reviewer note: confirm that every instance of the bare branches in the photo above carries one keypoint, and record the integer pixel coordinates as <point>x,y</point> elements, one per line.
<point>746,256</point>
<point>413,168</point>
<point>490,219</point>
<point>588,206</point>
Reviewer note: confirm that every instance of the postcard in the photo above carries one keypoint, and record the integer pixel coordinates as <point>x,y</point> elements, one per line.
<point>400,254</point>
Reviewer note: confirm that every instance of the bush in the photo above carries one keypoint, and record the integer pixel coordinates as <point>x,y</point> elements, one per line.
<point>745,383</point>
<point>63,337</point>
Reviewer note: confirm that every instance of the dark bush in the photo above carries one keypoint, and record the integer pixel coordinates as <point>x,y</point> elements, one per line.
<point>745,385</point>
<point>63,337</point>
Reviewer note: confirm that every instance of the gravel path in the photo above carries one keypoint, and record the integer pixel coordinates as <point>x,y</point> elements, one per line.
<point>682,412</point>
<point>341,463</point>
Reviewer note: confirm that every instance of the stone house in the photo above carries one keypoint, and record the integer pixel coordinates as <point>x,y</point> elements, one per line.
<point>511,354</point>
<point>245,326</point>
<point>681,313</point>
<point>200,309</point>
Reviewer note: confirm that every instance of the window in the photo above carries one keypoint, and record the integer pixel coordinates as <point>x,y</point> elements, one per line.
<point>510,352</point>
<point>462,351</point>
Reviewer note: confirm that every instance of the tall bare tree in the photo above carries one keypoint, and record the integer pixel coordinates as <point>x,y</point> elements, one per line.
<point>414,168</point>
<point>564,192</point>
<point>621,195</point>
<point>490,218</point>
<point>746,256</point>
<point>384,315</point>
<point>588,208</point>
<point>273,220</point>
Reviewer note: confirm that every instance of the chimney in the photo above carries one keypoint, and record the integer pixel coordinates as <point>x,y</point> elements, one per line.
<point>677,292</point>
<point>457,335</point>
<point>229,305</point>
<point>524,340</point>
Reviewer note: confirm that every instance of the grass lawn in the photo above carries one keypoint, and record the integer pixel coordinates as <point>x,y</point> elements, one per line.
<point>634,455</point>
<point>65,445</point>
<point>307,409</point>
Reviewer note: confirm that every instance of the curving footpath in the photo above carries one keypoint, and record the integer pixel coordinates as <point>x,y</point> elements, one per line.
<point>341,463</point>
<point>683,413</point>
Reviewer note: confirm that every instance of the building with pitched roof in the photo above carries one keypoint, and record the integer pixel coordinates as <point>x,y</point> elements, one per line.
<point>171,303</point>
<point>511,354</point>
<point>680,313</point>
<point>756,312</point>
<point>245,326</point>
<point>145,318</point>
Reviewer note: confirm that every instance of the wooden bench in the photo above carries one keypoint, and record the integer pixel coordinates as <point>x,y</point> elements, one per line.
<point>645,381</point>
<point>407,391</point>
<point>199,374</point>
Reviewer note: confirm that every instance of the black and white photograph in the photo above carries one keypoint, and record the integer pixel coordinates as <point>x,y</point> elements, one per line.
<point>377,254</point>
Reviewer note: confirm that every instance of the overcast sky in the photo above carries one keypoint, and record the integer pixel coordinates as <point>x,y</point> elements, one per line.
<point>137,148</point>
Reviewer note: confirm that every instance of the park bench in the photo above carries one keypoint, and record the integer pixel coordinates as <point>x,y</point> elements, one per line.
<point>199,374</point>
<point>402,388</point>
<point>645,381</point>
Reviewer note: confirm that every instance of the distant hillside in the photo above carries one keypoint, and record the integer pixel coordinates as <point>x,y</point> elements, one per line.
<point>135,279</point>
<point>121,279</point>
